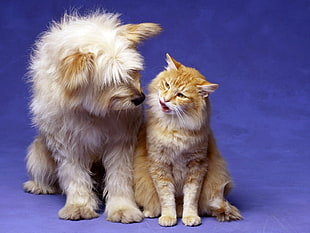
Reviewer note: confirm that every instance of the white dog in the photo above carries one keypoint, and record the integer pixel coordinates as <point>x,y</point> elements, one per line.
<point>86,105</point>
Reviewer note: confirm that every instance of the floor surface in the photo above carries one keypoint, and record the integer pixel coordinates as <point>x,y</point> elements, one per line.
<point>257,50</point>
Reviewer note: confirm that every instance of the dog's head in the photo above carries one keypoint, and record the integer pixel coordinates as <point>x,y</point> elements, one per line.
<point>99,65</point>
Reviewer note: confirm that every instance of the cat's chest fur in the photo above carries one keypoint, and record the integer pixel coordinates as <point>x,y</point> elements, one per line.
<point>177,150</point>
<point>177,144</point>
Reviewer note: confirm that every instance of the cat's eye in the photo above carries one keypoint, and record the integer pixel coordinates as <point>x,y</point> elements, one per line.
<point>181,95</point>
<point>167,85</point>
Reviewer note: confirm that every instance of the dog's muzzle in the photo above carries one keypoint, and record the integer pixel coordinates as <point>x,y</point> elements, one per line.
<point>138,99</point>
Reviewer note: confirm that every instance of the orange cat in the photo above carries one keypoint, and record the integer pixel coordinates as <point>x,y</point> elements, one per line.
<point>178,170</point>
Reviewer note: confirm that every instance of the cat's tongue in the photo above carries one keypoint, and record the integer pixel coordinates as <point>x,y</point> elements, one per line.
<point>164,107</point>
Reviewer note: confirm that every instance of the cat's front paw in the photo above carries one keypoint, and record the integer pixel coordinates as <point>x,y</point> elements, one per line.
<point>167,221</point>
<point>193,220</point>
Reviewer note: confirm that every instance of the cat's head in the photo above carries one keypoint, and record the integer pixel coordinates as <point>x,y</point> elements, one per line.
<point>180,91</point>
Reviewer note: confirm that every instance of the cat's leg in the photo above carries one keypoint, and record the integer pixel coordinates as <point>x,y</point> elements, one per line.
<point>191,192</point>
<point>144,189</point>
<point>163,181</point>
<point>41,168</point>
<point>76,182</point>
<point>216,186</point>
<point>120,200</point>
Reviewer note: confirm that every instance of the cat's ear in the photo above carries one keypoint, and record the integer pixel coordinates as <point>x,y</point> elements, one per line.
<point>172,64</point>
<point>206,89</point>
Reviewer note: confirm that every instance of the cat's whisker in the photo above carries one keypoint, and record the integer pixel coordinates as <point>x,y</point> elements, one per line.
<point>179,112</point>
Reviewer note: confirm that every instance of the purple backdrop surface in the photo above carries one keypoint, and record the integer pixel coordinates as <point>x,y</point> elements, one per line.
<point>257,50</point>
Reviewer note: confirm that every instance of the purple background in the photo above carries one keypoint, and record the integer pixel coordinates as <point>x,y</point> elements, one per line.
<point>257,50</point>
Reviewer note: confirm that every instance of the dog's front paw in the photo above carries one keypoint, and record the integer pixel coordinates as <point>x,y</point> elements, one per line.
<point>167,221</point>
<point>125,215</point>
<point>77,212</point>
<point>192,220</point>
<point>227,212</point>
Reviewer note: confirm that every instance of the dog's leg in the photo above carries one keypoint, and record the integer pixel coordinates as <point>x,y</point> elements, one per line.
<point>120,202</point>
<point>81,202</point>
<point>41,168</point>
<point>216,186</point>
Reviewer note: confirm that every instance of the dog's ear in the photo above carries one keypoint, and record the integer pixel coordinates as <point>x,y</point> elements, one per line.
<point>76,70</point>
<point>138,32</point>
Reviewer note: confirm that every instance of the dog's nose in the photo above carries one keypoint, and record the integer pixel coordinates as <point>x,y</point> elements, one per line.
<point>138,99</point>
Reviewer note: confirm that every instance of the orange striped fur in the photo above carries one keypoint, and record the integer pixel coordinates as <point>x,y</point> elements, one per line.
<point>178,170</point>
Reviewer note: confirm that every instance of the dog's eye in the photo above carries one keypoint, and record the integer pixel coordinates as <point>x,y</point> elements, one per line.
<point>131,72</point>
<point>135,74</point>
<point>167,85</point>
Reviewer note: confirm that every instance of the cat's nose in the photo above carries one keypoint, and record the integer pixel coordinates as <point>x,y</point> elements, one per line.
<point>166,99</point>
<point>138,99</point>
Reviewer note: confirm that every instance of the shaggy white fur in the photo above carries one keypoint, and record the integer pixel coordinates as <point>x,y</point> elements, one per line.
<point>86,105</point>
